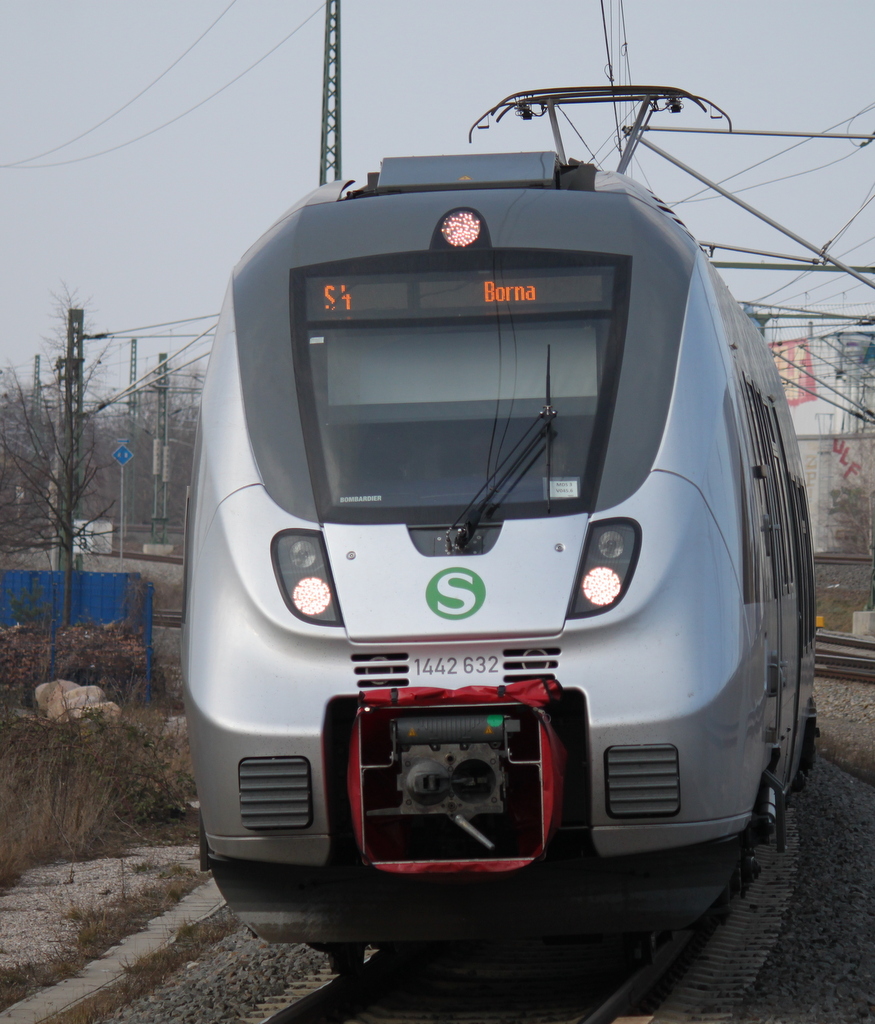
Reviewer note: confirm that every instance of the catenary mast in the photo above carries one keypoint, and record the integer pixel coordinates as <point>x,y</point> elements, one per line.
<point>329,163</point>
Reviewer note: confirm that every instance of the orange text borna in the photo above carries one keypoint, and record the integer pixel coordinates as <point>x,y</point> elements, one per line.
<point>493,292</point>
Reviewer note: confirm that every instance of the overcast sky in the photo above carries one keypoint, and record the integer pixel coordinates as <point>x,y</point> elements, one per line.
<point>150,232</point>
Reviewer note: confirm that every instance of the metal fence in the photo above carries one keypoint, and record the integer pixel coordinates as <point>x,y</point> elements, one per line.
<point>99,598</point>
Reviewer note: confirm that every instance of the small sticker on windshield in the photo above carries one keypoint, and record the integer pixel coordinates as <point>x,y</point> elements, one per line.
<point>318,341</point>
<point>564,487</point>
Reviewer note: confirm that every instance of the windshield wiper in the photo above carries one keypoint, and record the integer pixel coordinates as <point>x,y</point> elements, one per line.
<point>548,413</point>
<point>522,461</point>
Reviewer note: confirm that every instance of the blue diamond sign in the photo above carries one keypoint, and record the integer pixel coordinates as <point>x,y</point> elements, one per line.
<point>122,455</point>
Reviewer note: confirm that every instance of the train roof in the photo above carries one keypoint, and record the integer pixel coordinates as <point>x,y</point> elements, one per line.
<point>475,171</point>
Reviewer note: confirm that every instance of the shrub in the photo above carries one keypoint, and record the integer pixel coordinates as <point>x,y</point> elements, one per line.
<point>67,787</point>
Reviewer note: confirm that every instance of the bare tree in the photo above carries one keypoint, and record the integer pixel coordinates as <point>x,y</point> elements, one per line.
<point>48,457</point>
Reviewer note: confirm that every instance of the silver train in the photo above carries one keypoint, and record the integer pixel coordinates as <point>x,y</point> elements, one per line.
<point>499,602</point>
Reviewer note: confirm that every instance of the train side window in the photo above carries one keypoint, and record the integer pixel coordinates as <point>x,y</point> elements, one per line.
<point>792,548</point>
<point>764,477</point>
<point>751,561</point>
<point>809,628</point>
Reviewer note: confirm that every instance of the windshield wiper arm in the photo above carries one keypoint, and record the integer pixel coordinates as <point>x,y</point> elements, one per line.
<point>514,473</point>
<point>549,414</point>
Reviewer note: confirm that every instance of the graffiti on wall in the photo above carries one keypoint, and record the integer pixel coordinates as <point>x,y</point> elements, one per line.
<point>793,360</point>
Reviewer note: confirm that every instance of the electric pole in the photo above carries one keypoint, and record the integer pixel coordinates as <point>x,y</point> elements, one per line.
<point>160,457</point>
<point>133,472</point>
<point>72,374</point>
<point>36,397</point>
<point>330,152</point>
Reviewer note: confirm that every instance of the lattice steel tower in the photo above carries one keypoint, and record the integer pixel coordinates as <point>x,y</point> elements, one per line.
<point>330,155</point>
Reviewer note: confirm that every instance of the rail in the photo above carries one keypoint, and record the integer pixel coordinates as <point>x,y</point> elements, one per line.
<point>588,984</point>
<point>835,656</point>
<point>827,558</point>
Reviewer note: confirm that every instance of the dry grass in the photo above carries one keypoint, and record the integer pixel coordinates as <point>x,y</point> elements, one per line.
<point>837,605</point>
<point>79,788</point>
<point>98,928</point>
<point>140,977</point>
<point>148,972</point>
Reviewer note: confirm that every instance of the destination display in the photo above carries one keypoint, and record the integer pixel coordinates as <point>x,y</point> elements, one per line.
<point>438,293</point>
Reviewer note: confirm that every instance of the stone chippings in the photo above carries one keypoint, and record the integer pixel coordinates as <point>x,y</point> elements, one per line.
<point>852,576</point>
<point>226,984</point>
<point>822,968</point>
<point>844,700</point>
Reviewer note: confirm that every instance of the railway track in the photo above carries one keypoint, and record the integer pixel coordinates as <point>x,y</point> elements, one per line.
<point>694,976</point>
<point>844,656</point>
<point>496,983</point>
<point>834,559</point>
<point>171,619</point>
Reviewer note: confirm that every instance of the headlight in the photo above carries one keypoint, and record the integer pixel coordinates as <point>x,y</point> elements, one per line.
<point>609,557</point>
<point>304,577</point>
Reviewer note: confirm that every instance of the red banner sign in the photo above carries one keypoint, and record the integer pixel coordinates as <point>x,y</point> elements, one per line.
<point>793,359</point>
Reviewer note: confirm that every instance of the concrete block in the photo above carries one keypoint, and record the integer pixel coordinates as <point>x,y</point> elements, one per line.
<point>863,624</point>
<point>157,549</point>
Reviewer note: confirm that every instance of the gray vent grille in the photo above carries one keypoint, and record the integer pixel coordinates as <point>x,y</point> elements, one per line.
<point>381,669</point>
<point>526,663</point>
<point>275,792</point>
<point>643,781</point>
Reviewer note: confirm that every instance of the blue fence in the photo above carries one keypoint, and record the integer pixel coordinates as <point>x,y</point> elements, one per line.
<point>96,597</point>
<point>99,597</point>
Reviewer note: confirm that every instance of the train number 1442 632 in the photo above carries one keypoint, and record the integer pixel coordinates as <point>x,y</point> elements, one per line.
<point>455,666</point>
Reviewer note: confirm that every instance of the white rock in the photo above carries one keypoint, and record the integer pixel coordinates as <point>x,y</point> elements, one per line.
<point>105,707</point>
<point>45,691</point>
<point>62,701</point>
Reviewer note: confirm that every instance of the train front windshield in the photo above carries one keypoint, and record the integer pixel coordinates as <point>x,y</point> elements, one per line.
<point>421,379</point>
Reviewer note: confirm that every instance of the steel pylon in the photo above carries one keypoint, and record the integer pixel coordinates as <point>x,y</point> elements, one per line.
<point>330,153</point>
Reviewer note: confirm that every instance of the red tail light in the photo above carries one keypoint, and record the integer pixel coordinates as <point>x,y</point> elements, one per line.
<point>304,576</point>
<point>609,558</point>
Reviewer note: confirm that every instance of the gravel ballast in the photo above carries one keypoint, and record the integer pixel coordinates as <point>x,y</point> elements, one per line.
<point>227,984</point>
<point>821,970</point>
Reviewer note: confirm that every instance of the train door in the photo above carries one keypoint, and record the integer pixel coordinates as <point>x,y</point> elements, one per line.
<point>774,581</point>
<point>789,541</point>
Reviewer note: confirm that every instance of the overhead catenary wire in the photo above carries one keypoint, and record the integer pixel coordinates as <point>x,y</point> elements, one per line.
<point>148,376</point>
<point>609,71</point>
<point>819,356</point>
<point>756,213</point>
<point>582,139</point>
<point>147,384</point>
<point>774,156</point>
<point>124,106</point>
<point>806,273</point>
<point>808,373</point>
<point>773,181</point>
<point>829,401</point>
<point>173,120</point>
<point>150,327</point>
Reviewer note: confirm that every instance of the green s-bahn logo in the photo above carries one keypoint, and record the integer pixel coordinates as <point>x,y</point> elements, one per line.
<point>455,593</point>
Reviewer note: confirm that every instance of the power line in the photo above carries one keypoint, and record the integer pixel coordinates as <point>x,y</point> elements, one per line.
<point>173,120</point>
<point>124,106</point>
<point>823,383</point>
<point>772,181</point>
<point>829,401</point>
<point>130,389</point>
<point>150,327</point>
<point>774,156</point>
<point>609,71</point>
<point>165,371</point>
